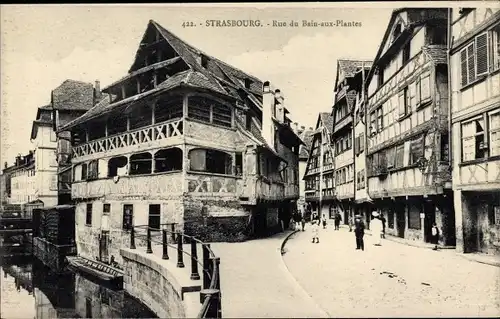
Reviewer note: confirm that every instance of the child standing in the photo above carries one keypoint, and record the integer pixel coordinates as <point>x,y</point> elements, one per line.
<point>435,236</point>
<point>315,231</point>
<point>323,220</point>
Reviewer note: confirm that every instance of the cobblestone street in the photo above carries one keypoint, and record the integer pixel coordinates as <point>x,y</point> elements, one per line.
<point>390,280</point>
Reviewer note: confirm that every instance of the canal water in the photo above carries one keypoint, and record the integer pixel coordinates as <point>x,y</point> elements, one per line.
<point>30,290</point>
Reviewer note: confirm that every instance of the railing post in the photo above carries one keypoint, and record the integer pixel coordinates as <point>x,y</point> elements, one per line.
<point>149,250</point>
<point>194,260</point>
<point>165,245</point>
<point>172,229</point>
<point>213,310</point>
<point>180,255</point>
<point>206,266</point>
<point>132,238</point>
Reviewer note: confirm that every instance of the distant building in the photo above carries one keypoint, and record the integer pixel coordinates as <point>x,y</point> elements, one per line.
<point>306,135</point>
<point>183,138</point>
<point>475,116</point>
<point>319,186</point>
<point>23,180</point>
<point>408,162</point>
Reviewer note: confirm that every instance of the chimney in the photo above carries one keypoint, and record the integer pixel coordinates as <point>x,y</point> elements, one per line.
<point>296,127</point>
<point>268,105</point>
<point>5,165</point>
<point>280,107</point>
<point>97,91</point>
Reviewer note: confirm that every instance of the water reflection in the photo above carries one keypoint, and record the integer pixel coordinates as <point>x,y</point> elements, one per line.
<point>30,290</point>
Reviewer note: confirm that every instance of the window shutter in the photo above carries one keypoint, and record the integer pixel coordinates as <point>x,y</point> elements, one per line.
<point>361,143</point>
<point>470,63</point>
<point>402,106</point>
<point>463,64</point>
<point>418,91</point>
<point>482,54</point>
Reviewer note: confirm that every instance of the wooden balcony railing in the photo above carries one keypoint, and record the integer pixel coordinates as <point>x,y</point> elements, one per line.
<point>141,135</point>
<point>210,295</point>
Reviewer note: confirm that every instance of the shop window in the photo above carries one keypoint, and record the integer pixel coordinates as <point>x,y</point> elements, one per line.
<point>128,217</point>
<point>168,160</point>
<point>88,215</point>
<point>141,164</point>
<point>117,166</point>
<point>211,161</point>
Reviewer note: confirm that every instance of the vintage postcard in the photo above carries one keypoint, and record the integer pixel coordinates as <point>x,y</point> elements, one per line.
<point>265,160</point>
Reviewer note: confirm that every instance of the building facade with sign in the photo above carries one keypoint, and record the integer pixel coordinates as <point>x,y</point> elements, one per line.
<point>183,138</point>
<point>475,112</point>
<point>408,160</point>
<point>319,185</point>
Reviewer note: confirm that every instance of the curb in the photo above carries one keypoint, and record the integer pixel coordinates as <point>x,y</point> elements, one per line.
<point>292,278</point>
<point>282,248</point>
<point>490,263</point>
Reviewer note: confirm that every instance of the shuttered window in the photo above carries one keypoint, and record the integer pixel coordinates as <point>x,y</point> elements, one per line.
<point>482,54</point>
<point>494,134</point>
<point>463,66</point>
<point>471,68</point>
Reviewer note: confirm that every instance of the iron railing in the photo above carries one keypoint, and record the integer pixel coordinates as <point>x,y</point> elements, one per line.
<point>210,295</point>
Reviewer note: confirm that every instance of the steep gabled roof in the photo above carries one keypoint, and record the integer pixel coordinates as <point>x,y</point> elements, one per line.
<point>350,68</point>
<point>73,95</point>
<point>307,137</point>
<point>327,120</point>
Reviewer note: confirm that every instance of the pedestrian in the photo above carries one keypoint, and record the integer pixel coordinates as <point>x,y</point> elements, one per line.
<point>359,232</point>
<point>303,222</point>
<point>435,236</point>
<point>349,220</point>
<point>338,219</point>
<point>382,218</point>
<point>376,228</point>
<point>323,220</point>
<point>315,231</point>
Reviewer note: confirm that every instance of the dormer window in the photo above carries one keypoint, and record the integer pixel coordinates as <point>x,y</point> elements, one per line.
<point>248,82</point>
<point>396,32</point>
<point>204,60</point>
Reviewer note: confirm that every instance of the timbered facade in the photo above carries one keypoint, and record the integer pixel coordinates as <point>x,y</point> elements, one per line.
<point>184,138</point>
<point>319,183</point>
<point>348,83</point>
<point>408,162</point>
<point>475,113</point>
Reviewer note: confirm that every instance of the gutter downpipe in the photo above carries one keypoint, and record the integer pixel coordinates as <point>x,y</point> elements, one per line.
<point>448,58</point>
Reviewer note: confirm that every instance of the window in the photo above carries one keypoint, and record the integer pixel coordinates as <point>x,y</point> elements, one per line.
<point>495,37</point>
<point>117,166</point>
<point>396,32</point>
<point>473,143</point>
<point>205,110</point>
<point>414,217</point>
<point>88,216</point>
<point>154,216</point>
<point>168,160</point>
<point>406,52</point>
<point>390,218</point>
<point>93,170</point>
<point>106,208</point>
<point>128,217</point>
<point>494,131</point>
<point>211,161</point>
<point>436,34</point>
<point>380,119</point>
<point>416,149</point>
<point>84,171</point>
<point>404,106</point>
<point>495,220</point>
<point>141,164</point>
<point>140,116</point>
<point>399,158</point>
<point>168,108</point>
<point>239,164</point>
<point>380,77</point>
<point>474,59</point>
<point>117,124</point>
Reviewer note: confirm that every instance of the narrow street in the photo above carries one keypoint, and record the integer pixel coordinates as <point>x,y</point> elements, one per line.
<point>390,280</point>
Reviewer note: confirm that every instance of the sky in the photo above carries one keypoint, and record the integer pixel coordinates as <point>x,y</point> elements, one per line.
<point>43,45</point>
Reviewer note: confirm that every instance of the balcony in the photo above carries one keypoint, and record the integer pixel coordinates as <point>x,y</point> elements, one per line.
<point>210,184</point>
<point>147,134</point>
<point>317,170</point>
<point>159,186</point>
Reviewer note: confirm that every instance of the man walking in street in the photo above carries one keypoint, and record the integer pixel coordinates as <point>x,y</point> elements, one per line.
<point>382,218</point>
<point>338,219</point>
<point>359,232</point>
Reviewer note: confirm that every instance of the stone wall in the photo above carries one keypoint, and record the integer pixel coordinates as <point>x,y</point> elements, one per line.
<point>155,286</point>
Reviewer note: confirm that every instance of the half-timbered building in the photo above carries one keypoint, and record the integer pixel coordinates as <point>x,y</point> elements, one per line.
<point>306,135</point>
<point>409,171</point>
<point>475,113</point>
<point>319,185</point>
<point>348,83</point>
<point>183,138</point>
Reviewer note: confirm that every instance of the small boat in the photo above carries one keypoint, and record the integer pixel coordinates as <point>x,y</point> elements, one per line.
<point>95,268</point>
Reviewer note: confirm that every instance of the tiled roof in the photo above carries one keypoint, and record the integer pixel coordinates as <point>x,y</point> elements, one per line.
<point>73,95</point>
<point>307,137</point>
<point>436,52</point>
<point>327,120</point>
<point>351,67</point>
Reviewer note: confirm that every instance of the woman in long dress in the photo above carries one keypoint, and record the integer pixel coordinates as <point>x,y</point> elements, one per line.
<point>377,229</point>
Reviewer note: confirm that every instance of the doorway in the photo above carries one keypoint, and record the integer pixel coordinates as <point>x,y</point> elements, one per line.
<point>429,219</point>
<point>401,219</point>
<point>260,222</point>
<point>154,216</point>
